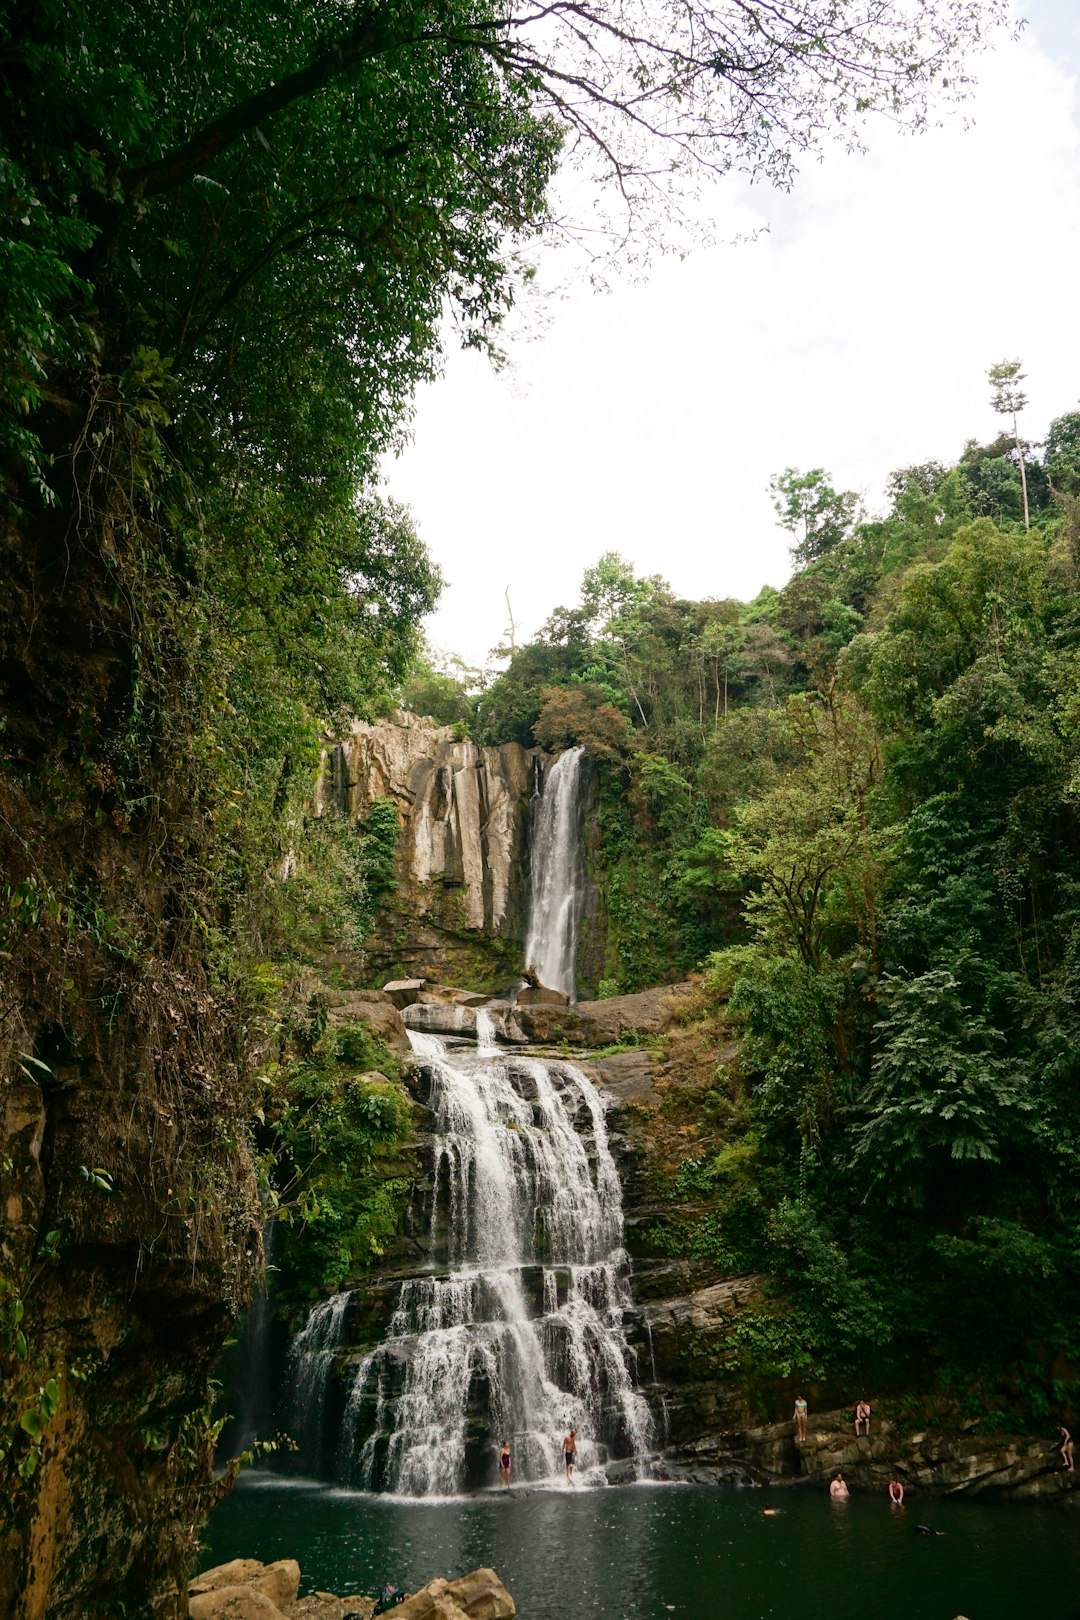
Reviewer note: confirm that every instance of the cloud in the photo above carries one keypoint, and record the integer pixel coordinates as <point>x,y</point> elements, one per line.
<point>855,335</point>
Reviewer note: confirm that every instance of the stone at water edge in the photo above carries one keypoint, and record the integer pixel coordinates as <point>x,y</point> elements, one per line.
<point>233,1603</point>
<point>279,1581</point>
<point>478,1596</point>
<point>538,995</point>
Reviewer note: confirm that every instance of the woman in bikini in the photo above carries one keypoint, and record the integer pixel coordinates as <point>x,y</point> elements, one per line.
<point>569,1446</point>
<point>504,1464</point>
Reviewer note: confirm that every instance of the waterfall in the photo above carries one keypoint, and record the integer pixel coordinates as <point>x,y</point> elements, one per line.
<point>524,1338</point>
<point>307,1373</point>
<point>521,1337</point>
<point>556,890</point>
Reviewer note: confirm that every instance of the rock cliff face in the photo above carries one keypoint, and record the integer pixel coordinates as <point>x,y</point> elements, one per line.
<point>458,913</point>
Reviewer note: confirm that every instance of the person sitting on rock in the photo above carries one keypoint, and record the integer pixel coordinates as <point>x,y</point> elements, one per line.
<point>838,1488</point>
<point>799,1416</point>
<point>862,1416</point>
<point>896,1492</point>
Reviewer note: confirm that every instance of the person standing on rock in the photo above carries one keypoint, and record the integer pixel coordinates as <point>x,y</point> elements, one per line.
<point>569,1446</point>
<point>862,1416</point>
<point>838,1488</point>
<point>1066,1447</point>
<point>896,1492</point>
<point>799,1416</point>
<point>504,1464</point>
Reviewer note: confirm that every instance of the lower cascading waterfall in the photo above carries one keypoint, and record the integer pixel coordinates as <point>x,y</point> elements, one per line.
<point>524,1338</point>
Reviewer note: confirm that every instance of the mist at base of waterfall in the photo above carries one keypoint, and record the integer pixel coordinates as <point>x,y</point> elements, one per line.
<point>642,1552</point>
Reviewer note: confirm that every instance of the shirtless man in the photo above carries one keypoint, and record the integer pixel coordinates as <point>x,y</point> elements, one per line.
<point>838,1489</point>
<point>569,1446</point>
<point>799,1416</point>
<point>862,1416</point>
<point>896,1493</point>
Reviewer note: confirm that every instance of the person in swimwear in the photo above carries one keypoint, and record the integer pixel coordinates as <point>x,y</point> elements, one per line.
<point>896,1493</point>
<point>504,1464</point>
<point>838,1489</point>
<point>799,1416</point>
<point>1066,1447</point>
<point>862,1416</point>
<point>569,1446</point>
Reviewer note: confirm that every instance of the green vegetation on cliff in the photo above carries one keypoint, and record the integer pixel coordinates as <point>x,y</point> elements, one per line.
<point>853,804</point>
<point>231,233</point>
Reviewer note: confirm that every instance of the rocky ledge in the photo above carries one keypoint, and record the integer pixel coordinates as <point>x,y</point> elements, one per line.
<point>928,1461</point>
<point>244,1589</point>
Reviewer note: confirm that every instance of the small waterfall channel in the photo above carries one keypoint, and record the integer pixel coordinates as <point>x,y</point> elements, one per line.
<point>523,1335</point>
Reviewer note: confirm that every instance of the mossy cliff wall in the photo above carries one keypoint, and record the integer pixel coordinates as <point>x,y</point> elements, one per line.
<point>127,1220</point>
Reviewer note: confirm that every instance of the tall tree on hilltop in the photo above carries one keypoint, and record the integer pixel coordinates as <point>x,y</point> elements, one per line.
<point>1009,399</point>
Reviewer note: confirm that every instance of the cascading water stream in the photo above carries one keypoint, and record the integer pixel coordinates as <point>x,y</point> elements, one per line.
<point>556,886</point>
<point>524,1337</point>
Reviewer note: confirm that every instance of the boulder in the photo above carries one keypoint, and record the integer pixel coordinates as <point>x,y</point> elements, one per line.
<point>434,1019</point>
<point>646,1012</point>
<point>482,1596</point>
<point>375,1009</point>
<point>403,992</point>
<point>479,1596</point>
<point>279,1581</point>
<point>538,995</point>
<point>233,1603</point>
<point>446,995</point>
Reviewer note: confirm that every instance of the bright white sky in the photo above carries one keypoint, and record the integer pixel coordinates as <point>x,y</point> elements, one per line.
<point>855,335</point>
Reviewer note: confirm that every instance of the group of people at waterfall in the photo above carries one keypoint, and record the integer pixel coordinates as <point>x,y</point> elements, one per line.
<point>569,1450</point>
<point>838,1485</point>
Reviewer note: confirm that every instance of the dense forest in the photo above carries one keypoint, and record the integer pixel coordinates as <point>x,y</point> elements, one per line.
<point>235,238</point>
<point>852,805</point>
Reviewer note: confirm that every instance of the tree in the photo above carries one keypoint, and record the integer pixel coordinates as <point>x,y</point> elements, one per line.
<point>815,514</point>
<point>1008,399</point>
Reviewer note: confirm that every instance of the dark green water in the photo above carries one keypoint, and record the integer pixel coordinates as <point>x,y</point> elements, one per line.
<point>655,1551</point>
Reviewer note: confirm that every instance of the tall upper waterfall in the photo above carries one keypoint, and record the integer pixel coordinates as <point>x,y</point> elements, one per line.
<point>557,887</point>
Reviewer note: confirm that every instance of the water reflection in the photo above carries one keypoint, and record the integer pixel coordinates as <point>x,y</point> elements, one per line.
<point>646,1552</point>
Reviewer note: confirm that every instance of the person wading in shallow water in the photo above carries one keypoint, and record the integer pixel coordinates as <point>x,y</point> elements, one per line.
<point>569,1446</point>
<point>838,1489</point>
<point>504,1464</point>
<point>896,1493</point>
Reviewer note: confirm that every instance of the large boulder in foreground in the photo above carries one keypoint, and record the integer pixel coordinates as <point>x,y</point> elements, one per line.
<point>479,1596</point>
<point>244,1587</point>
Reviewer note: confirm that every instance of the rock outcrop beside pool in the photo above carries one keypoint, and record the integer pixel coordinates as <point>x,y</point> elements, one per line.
<point>244,1589</point>
<point>938,1462</point>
